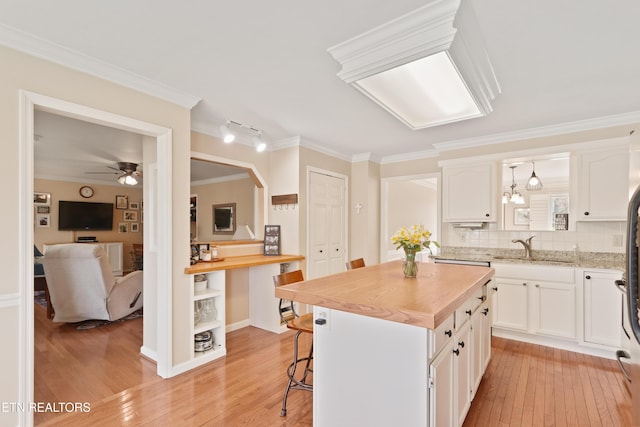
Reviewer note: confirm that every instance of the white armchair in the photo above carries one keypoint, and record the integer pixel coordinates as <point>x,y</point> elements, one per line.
<point>82,286</point>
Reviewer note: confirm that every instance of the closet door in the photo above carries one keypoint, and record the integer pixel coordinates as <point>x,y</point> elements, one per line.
<point>326,225</point>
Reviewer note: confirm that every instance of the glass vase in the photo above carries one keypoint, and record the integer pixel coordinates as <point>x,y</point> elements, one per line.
<point>410,266</point>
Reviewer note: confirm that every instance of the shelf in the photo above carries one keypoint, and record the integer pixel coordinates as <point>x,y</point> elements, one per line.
<point>205,326</point>
<point>212,353</point>
<point>207,293</point>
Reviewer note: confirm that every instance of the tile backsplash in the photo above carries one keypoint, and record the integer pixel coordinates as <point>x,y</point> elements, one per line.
<point>588,237</point>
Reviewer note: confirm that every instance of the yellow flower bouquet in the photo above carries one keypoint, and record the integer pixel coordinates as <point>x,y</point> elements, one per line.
<point>412,240</point>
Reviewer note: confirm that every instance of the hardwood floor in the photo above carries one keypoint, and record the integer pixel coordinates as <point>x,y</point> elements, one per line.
<point>525,384</point>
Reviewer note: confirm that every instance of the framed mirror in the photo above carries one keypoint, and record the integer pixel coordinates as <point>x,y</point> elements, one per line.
<point>224,218</point>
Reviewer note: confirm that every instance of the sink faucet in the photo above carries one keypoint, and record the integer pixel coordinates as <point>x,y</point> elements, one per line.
<point>527,245</point>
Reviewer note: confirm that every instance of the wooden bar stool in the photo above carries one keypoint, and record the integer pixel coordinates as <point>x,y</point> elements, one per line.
<point>356,263</point>
<point>300,324</point>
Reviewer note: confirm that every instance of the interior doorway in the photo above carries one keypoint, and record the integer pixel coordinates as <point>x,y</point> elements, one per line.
<point>405,201</point>
<point>157,227</point>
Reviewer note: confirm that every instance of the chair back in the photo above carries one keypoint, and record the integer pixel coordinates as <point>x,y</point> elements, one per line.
<point>356,263</point>
<point>286,308</point>
<point>79,279</point>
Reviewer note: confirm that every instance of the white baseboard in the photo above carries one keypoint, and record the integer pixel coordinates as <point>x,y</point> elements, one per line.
<point>149,354</point>
<point>237,325</point>
<point>554,343</point>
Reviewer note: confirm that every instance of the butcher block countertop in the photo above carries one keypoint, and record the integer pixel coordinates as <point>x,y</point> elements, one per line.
<point>382,291</point>
<point>240,262</point>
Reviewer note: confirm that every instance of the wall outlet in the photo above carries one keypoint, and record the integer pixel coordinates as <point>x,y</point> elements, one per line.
<point>617,240</point>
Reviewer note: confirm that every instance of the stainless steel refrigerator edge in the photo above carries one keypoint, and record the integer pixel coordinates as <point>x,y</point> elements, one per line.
<point>630,321</point>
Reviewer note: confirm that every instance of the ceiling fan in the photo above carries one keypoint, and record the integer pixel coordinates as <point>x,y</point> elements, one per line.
<point>127,172</point>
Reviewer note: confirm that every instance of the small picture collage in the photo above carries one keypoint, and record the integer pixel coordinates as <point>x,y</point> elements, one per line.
<point>132,215</point>
<point>42,204</point>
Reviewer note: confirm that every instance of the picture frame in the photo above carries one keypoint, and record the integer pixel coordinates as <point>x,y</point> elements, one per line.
<point>521,216</point>
<point>122,202</point>
<point>43,209</point>
<point>123,227</point>
<point>271,240</point>
<point>203,248</point>
<point>131,216</point>
<point>41,199</point>
<point>134,205</point>
<point>43,220</point>
<point>135,227</point>
<point>224,218</point>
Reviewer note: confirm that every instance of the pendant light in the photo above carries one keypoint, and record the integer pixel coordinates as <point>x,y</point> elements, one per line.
<point>534,183</point>
<point>513,197</point>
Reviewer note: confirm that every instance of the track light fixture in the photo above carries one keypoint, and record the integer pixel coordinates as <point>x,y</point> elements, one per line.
<point>229,136</point>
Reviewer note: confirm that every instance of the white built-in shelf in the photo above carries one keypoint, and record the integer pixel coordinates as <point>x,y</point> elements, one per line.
<point>206,326</point>
<point>207,293</point>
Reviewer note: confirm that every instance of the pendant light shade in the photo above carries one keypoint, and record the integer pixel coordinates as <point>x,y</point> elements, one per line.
<point>534,183</point>
<point>514,196</point>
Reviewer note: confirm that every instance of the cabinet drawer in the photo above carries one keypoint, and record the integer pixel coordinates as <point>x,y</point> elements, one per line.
<point>441,335</point>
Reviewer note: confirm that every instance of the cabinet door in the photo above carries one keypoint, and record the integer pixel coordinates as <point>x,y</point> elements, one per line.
<point>511,304</point>
<point>554,308</point>
<point>602,308</point>
<point>441,388</point>
<point>462,372</point>
<point>477,343</point>
<point>486,335</point>
<point>469,193</point>
<point>604,185</point>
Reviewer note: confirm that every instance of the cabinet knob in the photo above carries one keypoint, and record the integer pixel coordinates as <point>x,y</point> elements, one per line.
<point>320,250</point>
<point>487,215</point>
<point>468,312</point>
<point>337,250</point>
<point>537,286</point>
<point>321,321</point>
<point>456,352</point>
<point>586,213</point>
<point>448,333</point>
<point>482,298</point>
<point>485,311</point>
<point>587,277</point>
<point>524,284</point>
<point>495,289</point>
<point>461,344</point>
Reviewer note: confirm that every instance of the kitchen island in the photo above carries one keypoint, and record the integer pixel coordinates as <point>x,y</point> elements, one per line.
<point>396,351</point>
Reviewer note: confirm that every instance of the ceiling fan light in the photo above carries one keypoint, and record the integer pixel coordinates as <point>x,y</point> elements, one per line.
<point>121,179</point>
<point>130,180</point>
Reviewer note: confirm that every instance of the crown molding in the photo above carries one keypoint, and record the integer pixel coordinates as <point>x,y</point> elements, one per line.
<point>44,49</point>
<point>416,155</point>
<point>543,131</point>
<point>365,157</point>
<point>235,177</point>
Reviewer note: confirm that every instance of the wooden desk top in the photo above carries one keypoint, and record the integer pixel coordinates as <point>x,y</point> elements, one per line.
<point>240,262</point>
<point>382,291</point>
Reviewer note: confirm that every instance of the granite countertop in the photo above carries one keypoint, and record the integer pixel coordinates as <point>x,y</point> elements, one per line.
<point>600,260</point>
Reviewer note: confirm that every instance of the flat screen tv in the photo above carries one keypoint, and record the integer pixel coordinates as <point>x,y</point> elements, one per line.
<point>85,216</point>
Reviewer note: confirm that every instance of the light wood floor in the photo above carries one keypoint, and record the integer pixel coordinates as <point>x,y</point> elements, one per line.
<point>524,384</point>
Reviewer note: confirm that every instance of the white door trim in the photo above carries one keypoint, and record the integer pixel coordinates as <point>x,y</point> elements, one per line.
<point>313,169</point>
<point>30,101</point>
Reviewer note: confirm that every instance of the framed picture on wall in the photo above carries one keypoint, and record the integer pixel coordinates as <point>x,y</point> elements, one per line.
<point>272,240</point>
<point>41,199</point>
<point>134,205</point>
<point>521,216</point>
<point>135,227</point>
<point>43,220</point>
<point>122,202</point>
<point>123,227</point>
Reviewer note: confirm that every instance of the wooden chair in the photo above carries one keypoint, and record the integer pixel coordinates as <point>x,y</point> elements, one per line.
<point>300,324</point>
<point>356,263</point>
<point>137,256</point>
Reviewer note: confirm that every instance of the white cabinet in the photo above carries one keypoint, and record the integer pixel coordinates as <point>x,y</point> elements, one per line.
<point>603,184</point>
<point>553,308</point>
<point>469,193</point>
<point>456,369</point>
<point>536,299</point>
<point>511,304</point>
<point>208,316</point>
<point>602,308</point>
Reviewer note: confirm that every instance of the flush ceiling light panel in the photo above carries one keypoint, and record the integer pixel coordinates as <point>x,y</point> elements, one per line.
<point>427,68</point>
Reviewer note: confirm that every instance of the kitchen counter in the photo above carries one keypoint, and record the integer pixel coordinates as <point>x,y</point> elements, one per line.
<point>381,291</point>
<point>240,262</point>
<point>599,260</point>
